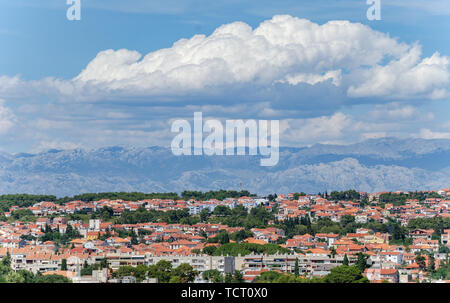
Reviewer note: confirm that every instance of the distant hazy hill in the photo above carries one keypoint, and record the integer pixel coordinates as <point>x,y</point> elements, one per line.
<point>373,165</point>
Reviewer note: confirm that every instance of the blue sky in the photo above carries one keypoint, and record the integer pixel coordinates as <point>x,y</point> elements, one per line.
<point>41,54</point>
<point>39,41</point>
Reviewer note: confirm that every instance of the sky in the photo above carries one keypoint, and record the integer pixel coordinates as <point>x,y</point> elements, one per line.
<point>124,72</point>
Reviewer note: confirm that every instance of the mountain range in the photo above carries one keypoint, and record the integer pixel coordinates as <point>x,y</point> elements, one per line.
<point>386,164</point>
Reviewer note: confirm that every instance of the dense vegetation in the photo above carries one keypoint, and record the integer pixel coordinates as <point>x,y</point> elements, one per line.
<point>301,226</point>
<point>212,194</point>
<point>398,199</point>
<point>162,270</point>
<point>128,196</point>
<point>352,195</point>
<point>239,216</point>
<point>7,275</point>
<point>339,274</point>
<point>444,270</point>
<point>24,215</point>
<point>22,200</point>
<point>26,200</point>
<point>234,249</point>
<point>215,276</point>
<point>223,237</point>
<point>438,224</point>
<point>141,215</point>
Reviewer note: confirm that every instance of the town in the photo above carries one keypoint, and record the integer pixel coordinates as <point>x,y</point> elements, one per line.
<point>226,236</point>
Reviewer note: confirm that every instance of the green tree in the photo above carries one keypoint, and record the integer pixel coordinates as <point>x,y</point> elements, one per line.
<point>186,272</point>
<point>162,271</point>
<point>204,215</point>
<point>234,249</point>
<point>213,275</point>
<point>209,250</point>
<point>221,237</point>
<point>28,276</point>
<point>347,219</point>
<point>6,260</point>
<point>63,264</point>
<point>238,277</point>
<point>333,251</point>
<point>134,239</point>
<point>222,211</point>
<point>13,277</point>
<point>104,263</point>
<point>241,235</point>
<point>228,278</point>
<point>431,266</point>
<point>361,263</point>
<point>175,279</point>
<point>345,274</point>
<point>271,197</point>
<point>268,277</point>
<point>23,215</point>
<point>51,279</point>
<point>196,251</point>
<point>420,260</point>
<point>345,261</point>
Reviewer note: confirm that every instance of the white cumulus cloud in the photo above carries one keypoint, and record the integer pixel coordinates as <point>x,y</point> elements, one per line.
<point>7,118</point>
<point>274,62</point>
<point>283,48</point>
<point>406,77</point>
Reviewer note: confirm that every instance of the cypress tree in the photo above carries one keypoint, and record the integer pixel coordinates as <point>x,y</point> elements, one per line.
<point>345,262</point>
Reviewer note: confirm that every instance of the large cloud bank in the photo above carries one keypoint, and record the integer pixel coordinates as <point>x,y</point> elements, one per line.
<point>284,49</point>
<point>284,57</point>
